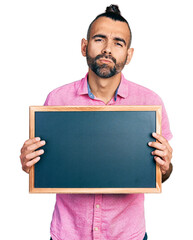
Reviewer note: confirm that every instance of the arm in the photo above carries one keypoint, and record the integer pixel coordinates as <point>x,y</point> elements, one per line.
<point>168,173</point>
<point>29,156</point>
<point>162,155</point>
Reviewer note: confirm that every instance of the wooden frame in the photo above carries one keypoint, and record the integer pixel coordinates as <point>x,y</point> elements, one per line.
<point>34,109</point>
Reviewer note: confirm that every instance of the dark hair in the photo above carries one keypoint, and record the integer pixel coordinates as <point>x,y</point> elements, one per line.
<point>114,13</point>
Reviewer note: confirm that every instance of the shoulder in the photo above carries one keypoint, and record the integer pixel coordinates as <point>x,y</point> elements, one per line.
<point>57,95</point>
<point>141,94</point>
<point>66,88</point>
<point>135,88</point>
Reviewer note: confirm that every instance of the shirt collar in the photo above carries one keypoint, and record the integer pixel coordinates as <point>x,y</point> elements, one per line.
<point>122,89</point>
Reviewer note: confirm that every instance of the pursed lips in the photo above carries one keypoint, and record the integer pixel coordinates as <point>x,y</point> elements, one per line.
<point>105,60</point>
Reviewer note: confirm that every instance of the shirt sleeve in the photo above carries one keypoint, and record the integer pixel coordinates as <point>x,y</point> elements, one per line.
<point>166,132</point>
<point>48,101</point>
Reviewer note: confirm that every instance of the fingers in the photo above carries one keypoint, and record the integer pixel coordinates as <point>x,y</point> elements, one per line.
<point>164,166</point>
<point>163,148</point>
<point>32,144</point>
<point>162,140</point>
<point>29,156</point>
<point>26,167</point>
<point>33,155</point>
<point>32,162</point>
<point>31,141</point>
<point>162,153</point>
<point>157,145</point>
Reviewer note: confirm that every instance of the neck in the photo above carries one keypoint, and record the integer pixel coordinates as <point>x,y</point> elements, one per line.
<point>103,88</point>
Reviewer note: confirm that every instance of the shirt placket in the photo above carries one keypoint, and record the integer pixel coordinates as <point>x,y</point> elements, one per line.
<point>97,217</point>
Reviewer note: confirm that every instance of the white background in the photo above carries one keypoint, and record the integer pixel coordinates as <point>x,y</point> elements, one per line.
<point>40,50</point>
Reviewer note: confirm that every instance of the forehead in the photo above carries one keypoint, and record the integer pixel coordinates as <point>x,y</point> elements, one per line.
<point>110,27</point>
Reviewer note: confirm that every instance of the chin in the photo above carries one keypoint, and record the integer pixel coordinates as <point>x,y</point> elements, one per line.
<point>105,73</point>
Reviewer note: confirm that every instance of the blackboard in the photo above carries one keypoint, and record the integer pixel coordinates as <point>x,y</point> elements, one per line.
<point>94,149</point>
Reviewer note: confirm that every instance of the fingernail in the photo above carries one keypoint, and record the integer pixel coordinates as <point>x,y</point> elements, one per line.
<point>41,151</point>
<point>154,134</point>
<point>149,143</point>
<point>43,142</point>
<point>37,138</point>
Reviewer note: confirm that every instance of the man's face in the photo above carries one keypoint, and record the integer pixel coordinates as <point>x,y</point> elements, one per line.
<point>107,48</point>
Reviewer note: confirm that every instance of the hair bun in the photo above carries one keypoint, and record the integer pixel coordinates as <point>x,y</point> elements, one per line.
<point>113,9</point>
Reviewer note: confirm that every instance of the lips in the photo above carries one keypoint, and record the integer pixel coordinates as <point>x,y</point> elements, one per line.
<point>105,60</point>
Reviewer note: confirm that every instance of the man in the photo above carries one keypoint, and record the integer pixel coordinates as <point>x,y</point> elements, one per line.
<point>100,216</point>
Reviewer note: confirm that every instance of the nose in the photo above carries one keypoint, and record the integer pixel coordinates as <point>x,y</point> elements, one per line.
<point>107,49</point>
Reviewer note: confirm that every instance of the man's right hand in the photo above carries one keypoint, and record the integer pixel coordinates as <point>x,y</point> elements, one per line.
<point>29,156</point>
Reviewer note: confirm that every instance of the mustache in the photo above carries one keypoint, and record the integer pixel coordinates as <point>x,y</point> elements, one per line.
<point>105,56</point>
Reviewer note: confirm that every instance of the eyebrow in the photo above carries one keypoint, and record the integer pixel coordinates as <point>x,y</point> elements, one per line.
<point>115,38</point>
<point>99,35</point>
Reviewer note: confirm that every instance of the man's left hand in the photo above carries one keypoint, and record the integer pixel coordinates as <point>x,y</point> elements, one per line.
<point>163,152</point>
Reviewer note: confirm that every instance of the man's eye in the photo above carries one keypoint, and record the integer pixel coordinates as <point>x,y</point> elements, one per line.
<point>119,44</point>
<point>98,40</point>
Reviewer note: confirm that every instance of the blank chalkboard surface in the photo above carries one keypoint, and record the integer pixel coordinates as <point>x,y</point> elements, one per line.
<point>95,149</point>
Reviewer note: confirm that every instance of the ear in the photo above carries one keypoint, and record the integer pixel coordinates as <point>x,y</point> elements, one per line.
<point>84,44</point>
<point>129,55</point>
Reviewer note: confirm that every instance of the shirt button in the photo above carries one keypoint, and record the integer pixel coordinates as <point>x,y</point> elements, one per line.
<point>97,206</point>
<point>96,228</point>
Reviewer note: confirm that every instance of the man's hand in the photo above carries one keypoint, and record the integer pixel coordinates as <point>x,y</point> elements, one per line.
<point>28,155</point>
<point>162,154</point>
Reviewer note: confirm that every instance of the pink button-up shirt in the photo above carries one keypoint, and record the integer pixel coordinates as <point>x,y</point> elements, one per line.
<point>102,216</point>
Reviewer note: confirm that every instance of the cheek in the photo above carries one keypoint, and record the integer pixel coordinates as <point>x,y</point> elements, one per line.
<point>121,56</point>
<point>93,50</point>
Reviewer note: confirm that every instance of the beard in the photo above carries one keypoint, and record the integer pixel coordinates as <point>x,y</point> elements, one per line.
<point>104,70</point>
